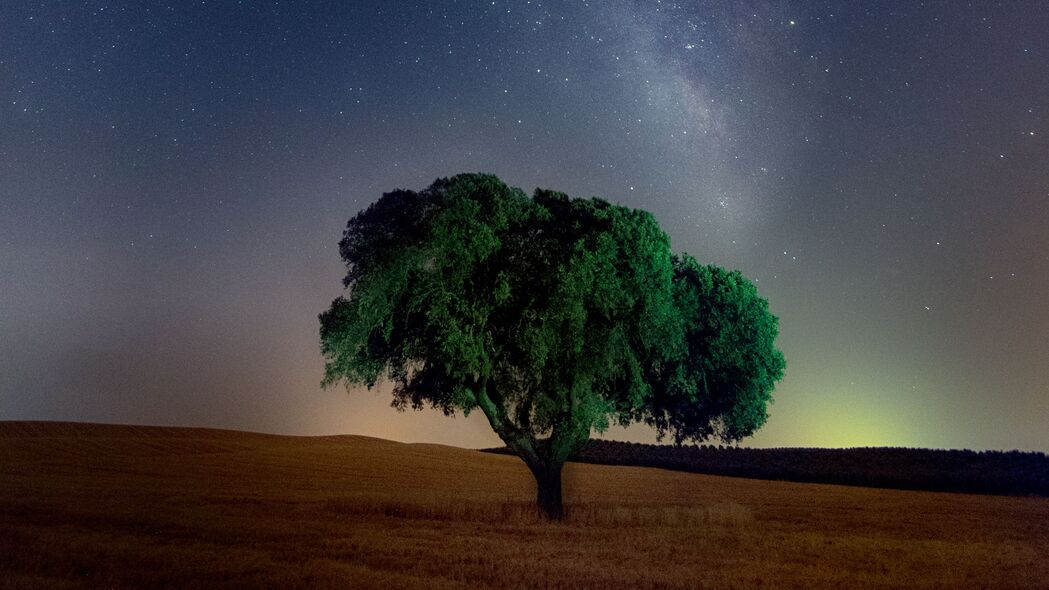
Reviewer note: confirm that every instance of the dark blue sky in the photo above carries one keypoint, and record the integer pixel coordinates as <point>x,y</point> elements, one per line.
<point>174,180</point>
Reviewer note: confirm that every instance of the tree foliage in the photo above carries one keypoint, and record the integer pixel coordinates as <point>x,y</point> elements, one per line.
<point>722,384</point>
<point>554,316</point>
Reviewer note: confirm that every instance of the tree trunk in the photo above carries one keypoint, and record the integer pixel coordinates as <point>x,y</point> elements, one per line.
<point>548,490</point>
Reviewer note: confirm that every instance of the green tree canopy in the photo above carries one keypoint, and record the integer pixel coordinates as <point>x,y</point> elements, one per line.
<point>555,317</point>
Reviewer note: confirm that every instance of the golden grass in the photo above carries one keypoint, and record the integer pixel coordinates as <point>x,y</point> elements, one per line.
<point>91,506</point>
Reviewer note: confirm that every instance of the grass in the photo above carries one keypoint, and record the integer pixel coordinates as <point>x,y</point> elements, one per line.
<point>92,506</point>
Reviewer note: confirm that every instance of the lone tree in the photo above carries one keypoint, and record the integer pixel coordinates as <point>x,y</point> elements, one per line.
<point>555,317</point>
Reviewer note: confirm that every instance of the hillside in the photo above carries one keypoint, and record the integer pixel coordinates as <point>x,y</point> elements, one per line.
<point>987,472</point>
<point>89,506</point>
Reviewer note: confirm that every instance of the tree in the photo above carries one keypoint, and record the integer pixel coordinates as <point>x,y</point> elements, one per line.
<point>555,317</point>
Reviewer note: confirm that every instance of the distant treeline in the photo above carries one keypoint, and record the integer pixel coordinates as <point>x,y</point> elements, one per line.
<point>980,472</point>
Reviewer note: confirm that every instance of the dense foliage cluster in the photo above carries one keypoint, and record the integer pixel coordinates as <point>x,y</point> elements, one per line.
<point>553,316</point>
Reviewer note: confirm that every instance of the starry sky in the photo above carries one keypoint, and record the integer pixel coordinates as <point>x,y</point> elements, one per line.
<point>174,179</point>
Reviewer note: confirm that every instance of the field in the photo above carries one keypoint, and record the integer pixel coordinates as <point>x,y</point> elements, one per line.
<point>93,506</point>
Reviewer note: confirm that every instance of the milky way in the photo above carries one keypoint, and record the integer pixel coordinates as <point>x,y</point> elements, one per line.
<point>174,181</point>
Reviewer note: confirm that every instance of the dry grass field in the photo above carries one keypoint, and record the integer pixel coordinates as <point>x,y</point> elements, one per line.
<point>93,506</point>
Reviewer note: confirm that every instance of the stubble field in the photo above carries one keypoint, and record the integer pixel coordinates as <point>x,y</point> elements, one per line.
<point>96,506</point>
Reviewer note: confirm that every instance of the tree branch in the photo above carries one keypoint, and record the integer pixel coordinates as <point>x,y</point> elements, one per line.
<point>519,442</point>
<point>567,434</point>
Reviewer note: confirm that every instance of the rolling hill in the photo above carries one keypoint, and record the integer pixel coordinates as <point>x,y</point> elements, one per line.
<point>90,506</point>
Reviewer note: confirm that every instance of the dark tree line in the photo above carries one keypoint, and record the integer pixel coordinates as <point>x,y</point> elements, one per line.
<point>980,472</point>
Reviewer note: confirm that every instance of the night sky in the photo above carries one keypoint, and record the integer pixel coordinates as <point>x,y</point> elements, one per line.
<point>174,181</point>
